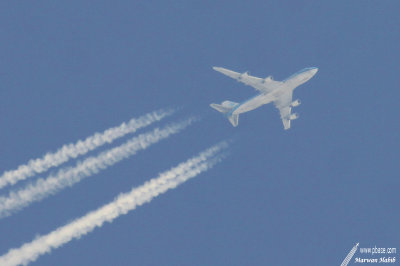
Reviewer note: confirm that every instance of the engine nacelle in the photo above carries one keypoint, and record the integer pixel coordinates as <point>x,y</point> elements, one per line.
<point>267,79</point>
<point>295,103</point>
<point>244,75</point>
<point>294,116</point>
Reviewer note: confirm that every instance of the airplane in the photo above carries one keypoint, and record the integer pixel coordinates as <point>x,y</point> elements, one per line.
<point>278,92</point>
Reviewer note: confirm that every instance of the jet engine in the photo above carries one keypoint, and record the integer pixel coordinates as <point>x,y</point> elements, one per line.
<point>267,79</point>
<point>294,116</point>
<point>295,103</point>
<point>244,74</point>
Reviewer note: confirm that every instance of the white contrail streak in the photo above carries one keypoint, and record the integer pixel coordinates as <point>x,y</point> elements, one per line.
<point>68,151</point>
<point>349,256</point>
<point>91,165</point>
<point>124,203</point>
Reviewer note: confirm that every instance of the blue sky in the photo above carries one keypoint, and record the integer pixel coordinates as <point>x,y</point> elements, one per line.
<point>298,197</point>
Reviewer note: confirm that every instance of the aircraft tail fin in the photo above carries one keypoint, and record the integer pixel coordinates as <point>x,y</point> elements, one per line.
<point>226,108</point>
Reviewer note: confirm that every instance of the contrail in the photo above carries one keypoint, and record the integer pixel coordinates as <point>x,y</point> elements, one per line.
<point>91,165</point>
<point>124,203</point>
<point>349,256</point>
<point>68,151</point>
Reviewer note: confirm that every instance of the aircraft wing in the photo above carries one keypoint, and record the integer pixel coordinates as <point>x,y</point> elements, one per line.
<point>262,85</point>
<point>283,104</point>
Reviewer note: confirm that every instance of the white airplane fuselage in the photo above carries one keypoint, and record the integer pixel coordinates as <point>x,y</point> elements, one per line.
<point>278,92</point>
<point>264,98</point>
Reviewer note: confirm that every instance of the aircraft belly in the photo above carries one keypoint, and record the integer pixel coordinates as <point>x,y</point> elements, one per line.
<point>251,104</point>
<point>247,107</point>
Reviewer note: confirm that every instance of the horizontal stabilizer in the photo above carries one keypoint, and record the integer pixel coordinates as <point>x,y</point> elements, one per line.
<point>226,108</point>
<point>229,104</point>
<point>234,119</point>
<point>220,108</point>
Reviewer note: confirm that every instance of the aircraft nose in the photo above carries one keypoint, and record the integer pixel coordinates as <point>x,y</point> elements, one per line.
<point>314,70</point>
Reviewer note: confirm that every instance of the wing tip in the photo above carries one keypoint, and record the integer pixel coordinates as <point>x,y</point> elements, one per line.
<point>286,124</point>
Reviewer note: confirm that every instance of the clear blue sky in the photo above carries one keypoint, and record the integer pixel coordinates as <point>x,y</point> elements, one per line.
<point>298,197</point>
